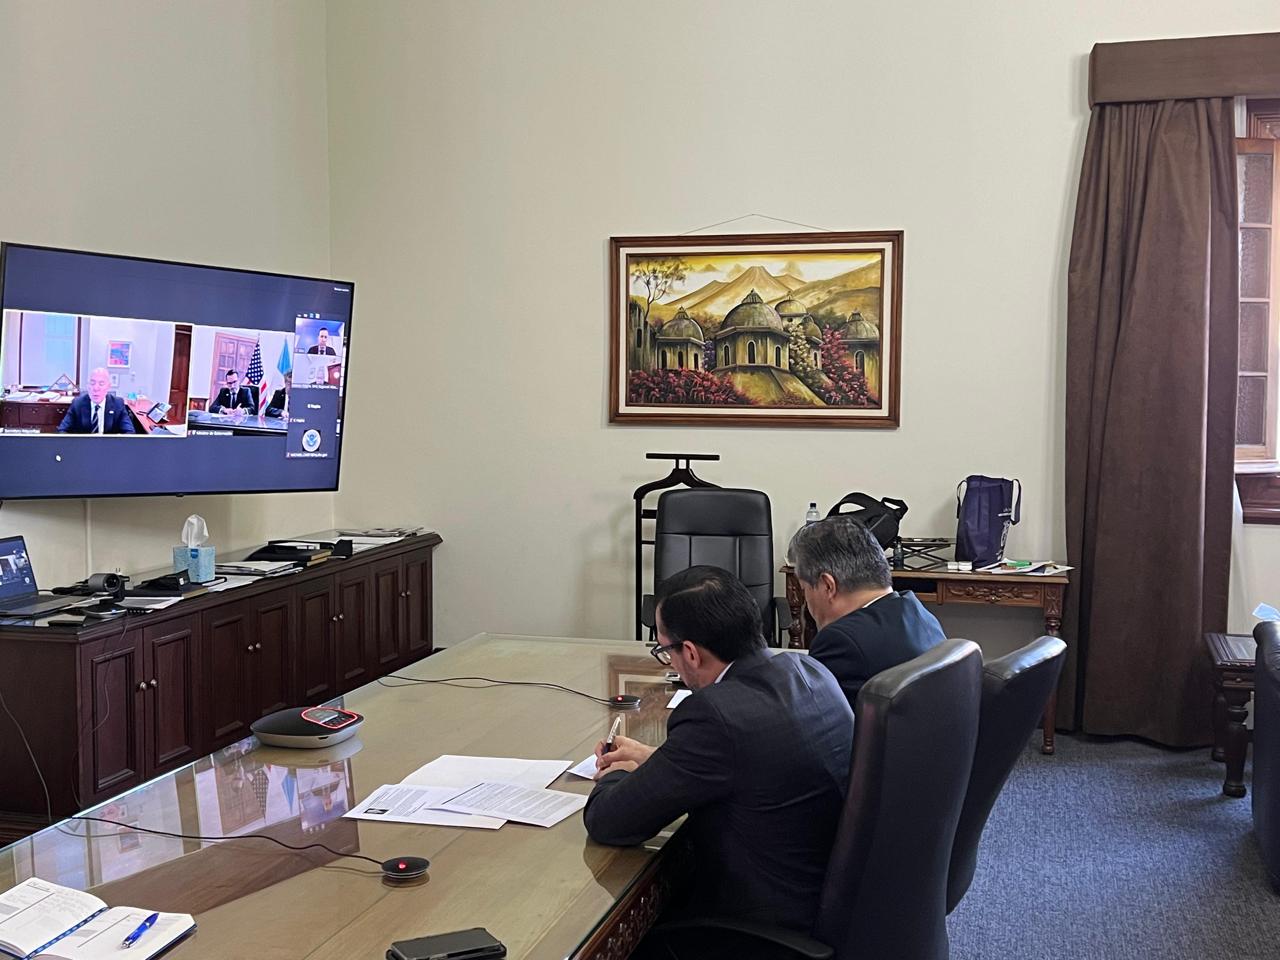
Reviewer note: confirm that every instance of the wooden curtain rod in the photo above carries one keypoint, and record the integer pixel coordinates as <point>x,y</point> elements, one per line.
<point>1245,65</point>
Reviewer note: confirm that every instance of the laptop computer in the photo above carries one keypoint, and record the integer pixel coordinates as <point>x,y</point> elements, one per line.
<point>19,595</point>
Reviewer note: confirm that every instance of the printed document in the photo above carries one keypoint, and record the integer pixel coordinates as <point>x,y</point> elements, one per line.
<point>677,698</point>
<point>542,808</point>
<point>455,771</point>
<point>410,803</point>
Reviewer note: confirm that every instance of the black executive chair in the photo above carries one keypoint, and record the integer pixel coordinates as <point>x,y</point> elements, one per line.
<point>1015,689</point>
<point>723,527</point>
<point>1266,747</point>
<point>885,893</point>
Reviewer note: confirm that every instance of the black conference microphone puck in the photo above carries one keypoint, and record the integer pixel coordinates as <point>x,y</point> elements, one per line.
<point>399,869</point>
<point>624,701</point>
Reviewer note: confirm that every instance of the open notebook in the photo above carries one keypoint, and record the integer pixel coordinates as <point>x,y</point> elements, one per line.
<point>43,919</point>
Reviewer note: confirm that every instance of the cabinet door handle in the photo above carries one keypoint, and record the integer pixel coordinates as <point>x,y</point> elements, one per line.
<point>334,618</point>
<point>154,683</point>
<point>249,648</point>
<point>341,617</point>
<point>257,646</point>
<point>142,685</point>
<point>408,593</point>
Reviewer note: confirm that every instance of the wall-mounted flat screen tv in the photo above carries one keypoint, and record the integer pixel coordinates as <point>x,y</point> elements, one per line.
<point>128,377</point>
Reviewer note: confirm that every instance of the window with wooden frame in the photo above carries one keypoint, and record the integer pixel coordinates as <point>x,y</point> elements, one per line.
<point>1258,382</point>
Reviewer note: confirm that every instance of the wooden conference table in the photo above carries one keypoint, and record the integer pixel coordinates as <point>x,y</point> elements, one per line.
<point>546,893</point>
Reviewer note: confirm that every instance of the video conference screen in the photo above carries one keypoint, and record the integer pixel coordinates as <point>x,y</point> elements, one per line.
<point>126,377</point>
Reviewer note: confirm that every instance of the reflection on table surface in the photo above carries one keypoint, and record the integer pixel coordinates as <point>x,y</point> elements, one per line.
<point>255,899</point>
<point>235,792</point>
<point>251,423</point>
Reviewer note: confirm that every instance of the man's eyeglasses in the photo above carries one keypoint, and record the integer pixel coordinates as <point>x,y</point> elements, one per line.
<point>662,652</point>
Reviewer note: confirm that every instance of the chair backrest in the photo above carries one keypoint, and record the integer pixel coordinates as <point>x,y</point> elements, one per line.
<point>1266,746</point>
<point>1015,689</point>
<point>723,527</point>
<point>886,883</point>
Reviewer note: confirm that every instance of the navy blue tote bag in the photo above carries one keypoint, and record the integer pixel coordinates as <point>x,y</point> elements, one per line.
<point>985,509</point>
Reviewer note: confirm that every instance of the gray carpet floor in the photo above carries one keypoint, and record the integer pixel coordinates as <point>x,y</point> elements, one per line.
<point>1114,848</point>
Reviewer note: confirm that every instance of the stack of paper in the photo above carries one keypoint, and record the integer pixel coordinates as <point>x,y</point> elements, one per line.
<point>256,568</point>
<point>483,792</point>
<point>1026,568</point>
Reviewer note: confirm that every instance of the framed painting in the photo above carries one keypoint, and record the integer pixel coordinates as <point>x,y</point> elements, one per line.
<point>756,329</point>
<point>119,353</point>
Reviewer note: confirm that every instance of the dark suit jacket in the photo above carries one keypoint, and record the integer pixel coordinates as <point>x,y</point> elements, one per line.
<point>275,406</point>
<point>79,417</point>
<point>894,629</point>
<point>327,351</point>
<point>760,762</point>
<point>244,399</point>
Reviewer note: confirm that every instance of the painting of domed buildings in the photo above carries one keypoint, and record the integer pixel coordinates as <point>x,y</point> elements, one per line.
<point>756,329</point>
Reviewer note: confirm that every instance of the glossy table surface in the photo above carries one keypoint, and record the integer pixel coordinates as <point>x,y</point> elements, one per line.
<point>540,891</point>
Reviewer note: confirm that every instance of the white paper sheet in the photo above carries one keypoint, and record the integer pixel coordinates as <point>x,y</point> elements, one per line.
<point>677,698</point>
<point>542,808</point>
<point>455,771</point>
<point>586,769</point>
<point>230,582</point>
<point>147,603</point>
<point>411,803</point>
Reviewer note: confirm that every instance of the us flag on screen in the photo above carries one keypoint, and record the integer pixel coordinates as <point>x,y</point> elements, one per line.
<point>257,377</point>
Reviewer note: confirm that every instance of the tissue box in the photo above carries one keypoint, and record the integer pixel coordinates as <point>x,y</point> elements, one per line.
<point>197,561</point>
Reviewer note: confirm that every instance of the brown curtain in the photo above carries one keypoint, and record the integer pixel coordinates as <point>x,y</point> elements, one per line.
<point>1151,361</point>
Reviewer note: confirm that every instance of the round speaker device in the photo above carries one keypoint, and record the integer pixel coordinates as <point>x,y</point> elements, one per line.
<point>307,727</point>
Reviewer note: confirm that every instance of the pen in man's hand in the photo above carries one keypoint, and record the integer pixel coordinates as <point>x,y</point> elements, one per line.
<point>143,927</point>
<point>613,732</point>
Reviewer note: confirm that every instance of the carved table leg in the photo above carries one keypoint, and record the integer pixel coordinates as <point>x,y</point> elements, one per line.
<point>1048,722</point>
<point>795,600</point>
<point>1052,624</point>
<point>1219,725</point>
<point>1237,741</point>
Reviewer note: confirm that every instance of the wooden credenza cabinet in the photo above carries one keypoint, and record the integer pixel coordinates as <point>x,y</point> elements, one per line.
<point>111,706</point>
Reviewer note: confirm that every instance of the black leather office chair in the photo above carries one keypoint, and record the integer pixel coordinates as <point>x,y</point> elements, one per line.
<point>1266,747</point>
<point>727,528</point>
<point>884,897</point>
<point>1015,689</point>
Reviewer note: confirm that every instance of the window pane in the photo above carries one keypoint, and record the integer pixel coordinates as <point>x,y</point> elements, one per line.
<point>1253,338</point>
<point>1254,173</point>
<point>1255,247</point>
<point>48,348</point>
<point>1251,411</point>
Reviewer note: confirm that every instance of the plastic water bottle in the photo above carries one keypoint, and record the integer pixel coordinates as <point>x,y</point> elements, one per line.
<point>812,515</point>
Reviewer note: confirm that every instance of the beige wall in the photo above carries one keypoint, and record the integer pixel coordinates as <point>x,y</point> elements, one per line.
<point>483,152</point>
<point>187,131</point>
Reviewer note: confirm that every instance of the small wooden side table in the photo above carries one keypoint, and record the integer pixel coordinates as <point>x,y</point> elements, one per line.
<point>942,587</point>
<point>1233,659</point>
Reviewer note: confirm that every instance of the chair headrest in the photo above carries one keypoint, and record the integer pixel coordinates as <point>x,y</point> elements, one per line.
<point>1018,662</point>
<point>715,511</point>
<point>1267,634</point>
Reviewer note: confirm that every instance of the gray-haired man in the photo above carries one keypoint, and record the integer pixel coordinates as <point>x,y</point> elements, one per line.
<point>864,626</point>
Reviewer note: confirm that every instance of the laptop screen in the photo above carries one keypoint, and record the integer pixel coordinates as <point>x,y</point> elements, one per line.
<point>16,577</point>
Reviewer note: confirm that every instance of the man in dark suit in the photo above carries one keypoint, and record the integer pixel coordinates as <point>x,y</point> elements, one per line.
<point>864,626</point>
<point>96,410</point>
<point>233,397</point>
<point>322,344</point>
<point>278,405</point>
<point>758,757</point>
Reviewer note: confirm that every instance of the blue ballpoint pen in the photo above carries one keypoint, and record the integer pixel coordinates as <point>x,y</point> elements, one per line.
<point>143,927</point>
